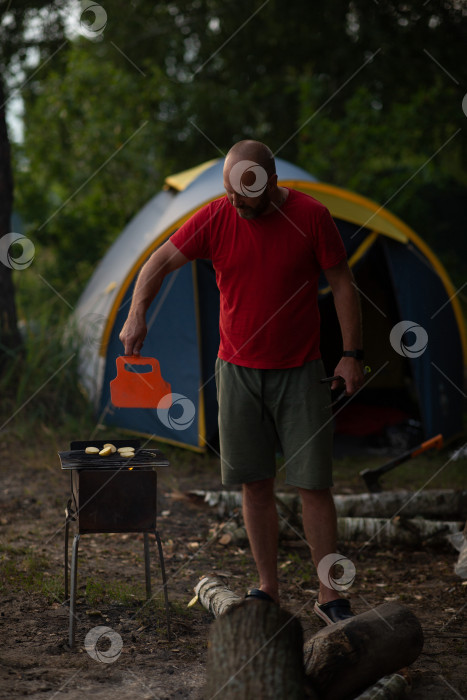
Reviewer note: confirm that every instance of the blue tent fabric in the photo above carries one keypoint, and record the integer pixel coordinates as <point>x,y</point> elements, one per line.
<point>438,371</point>
<point>173,339</point>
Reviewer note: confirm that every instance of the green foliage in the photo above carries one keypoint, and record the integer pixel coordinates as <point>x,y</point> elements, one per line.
<point>95,167</point>
<point>39,384</point>
<point>397,156</point>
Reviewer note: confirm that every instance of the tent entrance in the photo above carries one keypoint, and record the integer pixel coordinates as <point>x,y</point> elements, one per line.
<point>389,400</point>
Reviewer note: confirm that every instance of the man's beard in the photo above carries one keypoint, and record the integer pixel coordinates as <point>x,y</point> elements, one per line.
<point>252,213</point>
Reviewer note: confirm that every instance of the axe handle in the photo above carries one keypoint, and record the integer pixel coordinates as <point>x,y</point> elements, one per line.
<point>436,441</point>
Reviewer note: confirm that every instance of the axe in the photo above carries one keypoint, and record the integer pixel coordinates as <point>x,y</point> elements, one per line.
<point>371,476</point>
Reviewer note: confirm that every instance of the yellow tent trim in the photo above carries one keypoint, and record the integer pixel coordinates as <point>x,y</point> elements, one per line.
<point>180,181</point>
<point>353,207</point>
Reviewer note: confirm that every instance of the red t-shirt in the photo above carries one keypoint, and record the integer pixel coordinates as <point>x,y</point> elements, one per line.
<point>267,272</point>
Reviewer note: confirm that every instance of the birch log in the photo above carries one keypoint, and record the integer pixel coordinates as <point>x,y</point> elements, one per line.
<point>214,595</point>
<point>411,532</point>
<point>349,656</point>
<point>435,503</point>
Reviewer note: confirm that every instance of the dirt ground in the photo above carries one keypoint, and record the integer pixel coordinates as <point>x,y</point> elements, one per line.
<point>35,660</point>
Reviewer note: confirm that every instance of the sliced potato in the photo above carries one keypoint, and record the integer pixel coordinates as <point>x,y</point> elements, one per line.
<point>109,444</point>
<point>91,450</point>
<point>127,455</point>
<point>126,449</point>
<point>106,451</point>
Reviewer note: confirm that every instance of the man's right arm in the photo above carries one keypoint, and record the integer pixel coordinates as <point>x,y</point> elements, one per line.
<point>164,260</point>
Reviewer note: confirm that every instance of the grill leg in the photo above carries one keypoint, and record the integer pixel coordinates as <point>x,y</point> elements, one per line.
<point>67,531</point>
<point>74,580</point>
<point>164,583</point>
<point>147,565</point>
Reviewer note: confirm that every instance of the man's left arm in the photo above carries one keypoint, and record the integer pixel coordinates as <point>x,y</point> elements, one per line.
<point>348,310</point>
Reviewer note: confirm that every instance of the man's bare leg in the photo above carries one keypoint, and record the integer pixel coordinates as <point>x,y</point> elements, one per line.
<point>261,522</point>
<point>320,526</point>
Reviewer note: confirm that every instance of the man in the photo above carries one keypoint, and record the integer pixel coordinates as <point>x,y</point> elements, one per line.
<point>268,245</point>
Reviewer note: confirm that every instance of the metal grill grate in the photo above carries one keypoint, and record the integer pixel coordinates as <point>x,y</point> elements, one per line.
<point>78,459</point>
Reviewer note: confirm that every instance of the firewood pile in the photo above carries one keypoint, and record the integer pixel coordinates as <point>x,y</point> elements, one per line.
<point>256,649</point>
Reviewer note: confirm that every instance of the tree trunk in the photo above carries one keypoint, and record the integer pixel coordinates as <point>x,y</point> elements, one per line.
<point>10,338</point>
<point>351,655</point>
<point>255,650</point>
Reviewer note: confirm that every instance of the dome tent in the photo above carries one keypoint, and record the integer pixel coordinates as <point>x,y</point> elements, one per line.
<point>418,375</point>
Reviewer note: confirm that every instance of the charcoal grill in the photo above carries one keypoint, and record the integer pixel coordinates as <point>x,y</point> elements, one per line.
<point>111,494</point>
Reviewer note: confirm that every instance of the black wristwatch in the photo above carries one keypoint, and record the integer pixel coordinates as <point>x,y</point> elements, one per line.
<point>357,354</point>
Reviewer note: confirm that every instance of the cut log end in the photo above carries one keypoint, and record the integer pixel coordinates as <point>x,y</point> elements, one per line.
<point>255,650</point>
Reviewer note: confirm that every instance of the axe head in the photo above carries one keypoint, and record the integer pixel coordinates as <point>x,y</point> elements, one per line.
<point>371,479</point>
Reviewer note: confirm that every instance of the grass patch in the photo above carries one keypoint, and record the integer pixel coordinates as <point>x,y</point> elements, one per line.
<point>99,591</point>
<point>30,575</point>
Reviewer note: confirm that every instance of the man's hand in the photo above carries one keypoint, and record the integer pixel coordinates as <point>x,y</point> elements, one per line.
<point>133,334</point>
<point>351,371</point>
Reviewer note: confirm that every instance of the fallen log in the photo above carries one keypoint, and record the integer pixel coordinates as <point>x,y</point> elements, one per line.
<point>348,656</point>
<point>214,595</point>
<point>255,650</point>
<point>388,688</point>
<point>339,660</point>
<point>411,532</point>
<point>435,503</point>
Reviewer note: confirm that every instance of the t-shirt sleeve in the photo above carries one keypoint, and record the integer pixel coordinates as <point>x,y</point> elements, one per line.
<point>193,238</point>
<point>330,249</point>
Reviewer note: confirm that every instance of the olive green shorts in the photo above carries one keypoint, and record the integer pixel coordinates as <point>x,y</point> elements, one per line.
<point>262,411</point>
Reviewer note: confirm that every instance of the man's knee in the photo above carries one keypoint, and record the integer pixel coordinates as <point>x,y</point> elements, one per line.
<point>311,496</point>
<point>259,492</point>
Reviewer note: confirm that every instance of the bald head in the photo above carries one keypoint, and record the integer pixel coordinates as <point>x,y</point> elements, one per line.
<point>251,150</point>
<point>250,179</point>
